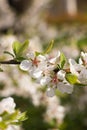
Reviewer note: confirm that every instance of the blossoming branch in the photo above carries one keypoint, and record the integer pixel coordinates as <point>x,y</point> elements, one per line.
<point>56,73</point>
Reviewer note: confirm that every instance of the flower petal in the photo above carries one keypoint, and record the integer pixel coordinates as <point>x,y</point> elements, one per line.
<point>61,75</point>
<point>25,65</point>
<point>50,92</point>
<point>37,74</point>
<point>74,67</point>
<point>83,76</point>
<point>30,55</point>
<point>65,88</point>
<point>45,80</point>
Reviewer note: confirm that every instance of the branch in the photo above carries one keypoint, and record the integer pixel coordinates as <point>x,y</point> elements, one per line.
<point>12,62</point>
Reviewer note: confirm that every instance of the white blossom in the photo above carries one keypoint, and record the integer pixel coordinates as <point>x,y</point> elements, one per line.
<point>56,81</point>
<point>8,105</point>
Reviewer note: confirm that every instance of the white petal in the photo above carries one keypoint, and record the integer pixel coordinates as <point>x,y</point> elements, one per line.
<point>61,75</point>
<point>37,74</point>
<point>41,58</point>
<point>83,76</point>
<point>65,88</point>
<point>50,92</point>
<point>74,67</point>
<point>25,65</point>
<point>45,80</point>
<point>8,105</point>
<point>80,61</point>
<point>58,54</point>
<point>84,56</point>
<point>55,59</point>
<point>31,55</point>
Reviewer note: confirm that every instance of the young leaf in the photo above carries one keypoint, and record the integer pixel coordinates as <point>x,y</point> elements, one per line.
<point>16,47</point>
<point>49,48</point>
<point>71,78</point>
<point>20,48</point>
<point>23,47</point>
<point>22,116</point>
<point>9,53</point>
<point>62,60</point>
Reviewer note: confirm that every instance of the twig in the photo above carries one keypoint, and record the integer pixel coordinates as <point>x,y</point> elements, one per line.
<point>12,62</point>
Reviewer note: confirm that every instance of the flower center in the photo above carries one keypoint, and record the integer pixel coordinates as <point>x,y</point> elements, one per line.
<point>55,79</point>
<point>35,61</point>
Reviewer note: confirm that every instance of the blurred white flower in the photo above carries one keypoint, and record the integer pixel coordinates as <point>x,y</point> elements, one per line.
<point>13,127</point>
<point>50,92</point>
<point>7,105</point>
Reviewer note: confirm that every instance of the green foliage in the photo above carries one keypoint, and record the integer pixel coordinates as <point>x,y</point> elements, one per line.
<point>9,53</point>
<point>19,49</point>
<point>62,60</point>
<point>71,78</point>
<point>12,119</point>
<point>49,48</point>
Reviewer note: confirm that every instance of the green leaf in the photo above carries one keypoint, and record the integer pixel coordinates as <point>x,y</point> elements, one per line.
<point>20,48</point>
<point>49,48</point>
<point>62,60</point>
<point>22,116</point>
<point>71,78</point>
<point>9,53</point>
<point>3,126</point>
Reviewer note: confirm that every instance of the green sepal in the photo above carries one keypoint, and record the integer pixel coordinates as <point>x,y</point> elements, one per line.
<point>38,53</point>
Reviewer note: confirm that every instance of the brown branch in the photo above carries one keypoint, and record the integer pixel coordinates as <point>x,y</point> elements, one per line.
<point>12,62</point>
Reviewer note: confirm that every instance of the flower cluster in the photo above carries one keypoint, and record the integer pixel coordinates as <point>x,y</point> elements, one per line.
<point>53,73</point>
<point>9,116</point>
<point>80,69</point>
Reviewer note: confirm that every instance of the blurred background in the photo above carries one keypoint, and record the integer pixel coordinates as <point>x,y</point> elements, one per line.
<point>40,21</point>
